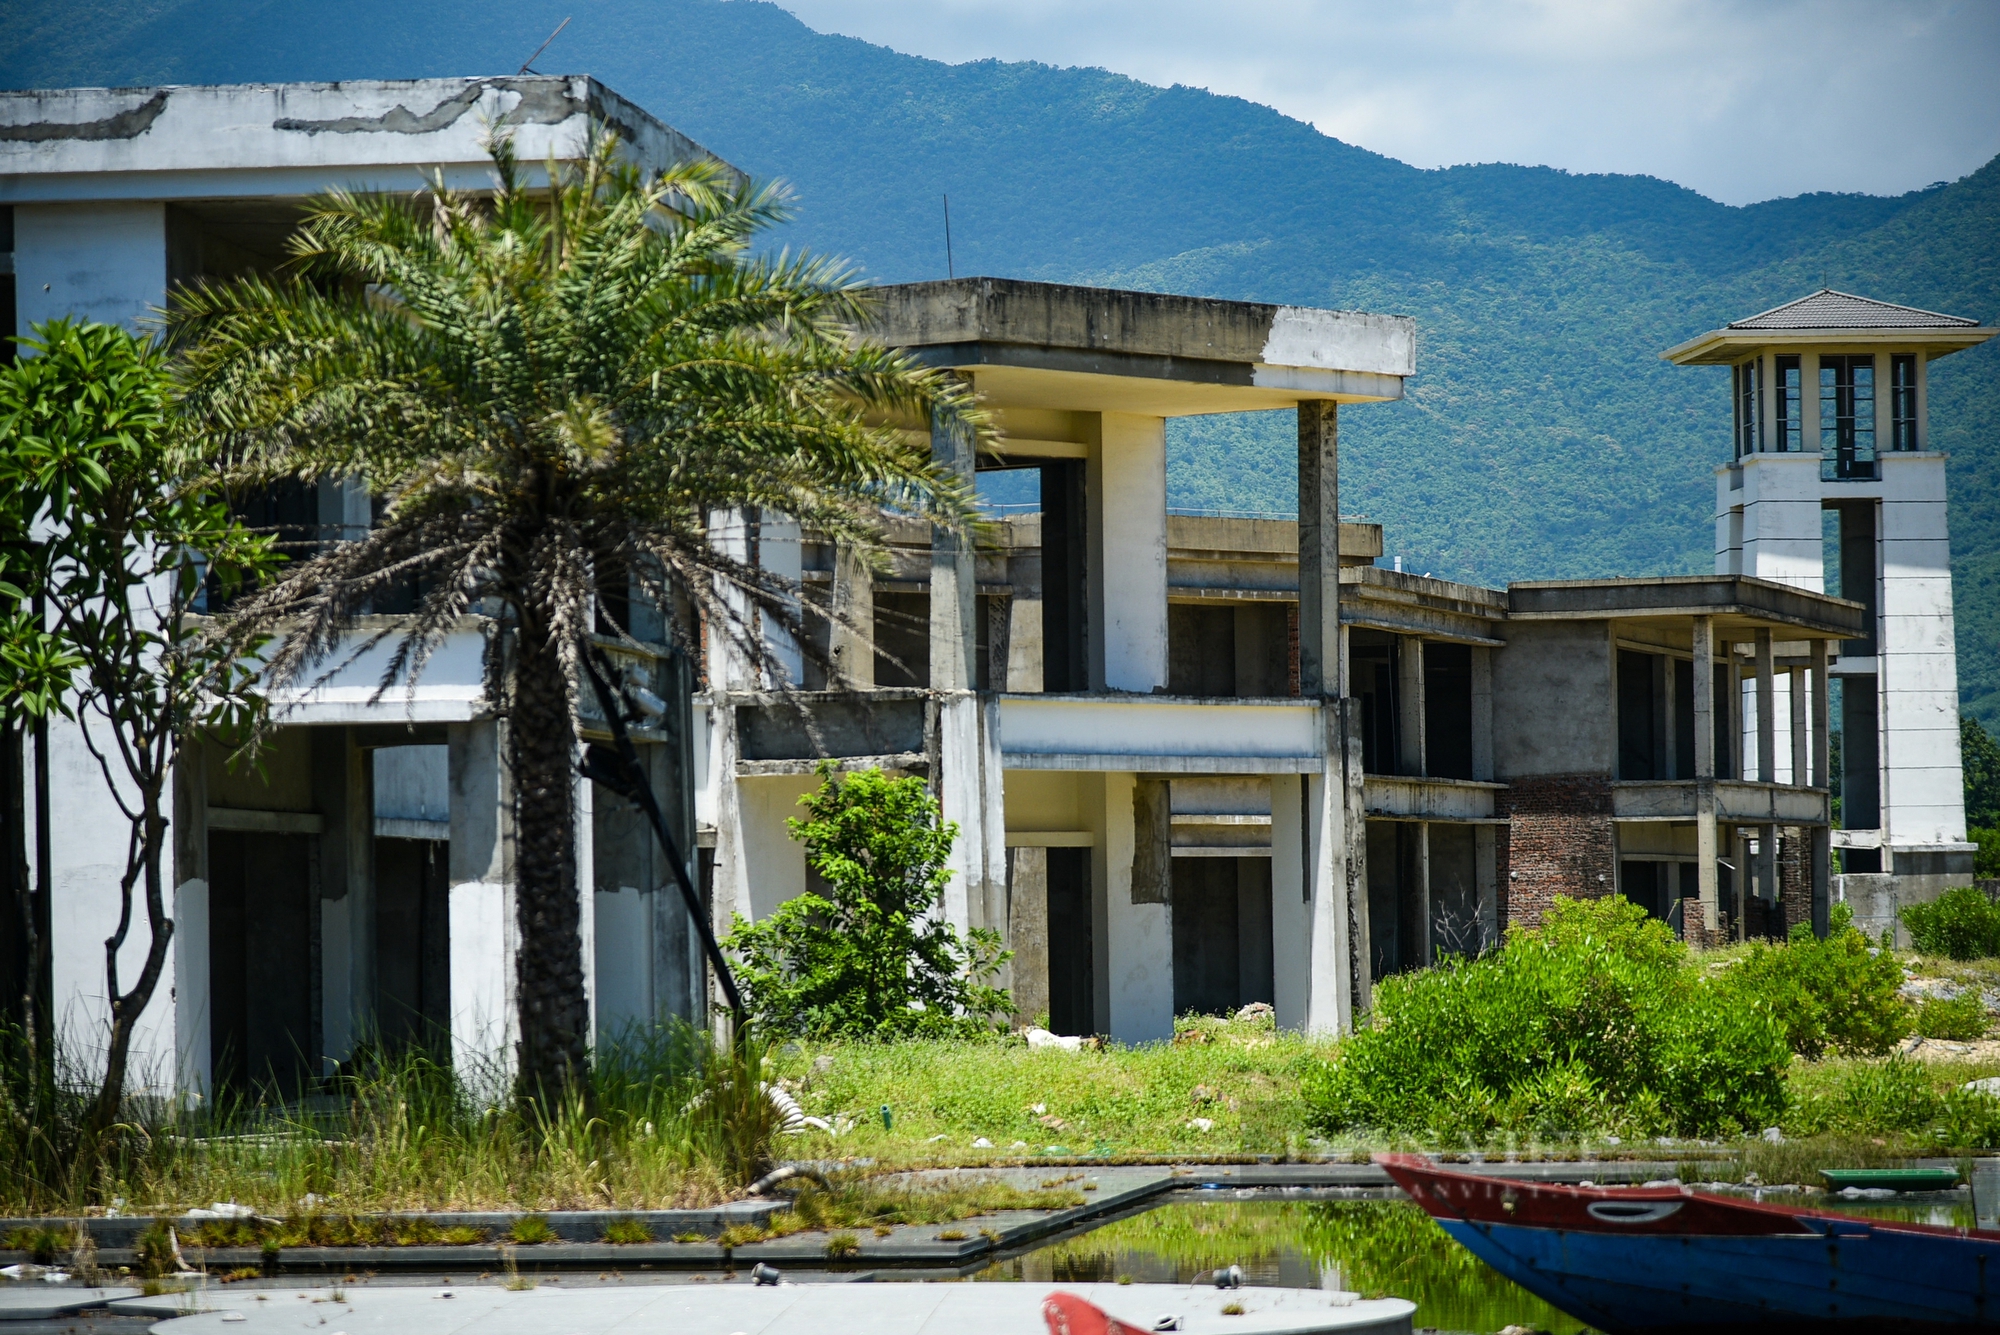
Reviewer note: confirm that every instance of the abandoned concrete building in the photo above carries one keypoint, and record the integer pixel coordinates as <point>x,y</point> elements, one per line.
<point>1195,761</point>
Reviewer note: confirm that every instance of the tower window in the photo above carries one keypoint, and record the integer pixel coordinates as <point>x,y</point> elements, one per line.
<point>1903,401</point>
<point>1847,417</point>
<point>1788,429</point>
<point>1747,380</point>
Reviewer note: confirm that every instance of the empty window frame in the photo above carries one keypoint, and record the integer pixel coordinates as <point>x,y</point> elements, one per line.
<point>1847,417</point>
<point>1748,382</point>
<point>1903,401</point>
<point>1788,404</point>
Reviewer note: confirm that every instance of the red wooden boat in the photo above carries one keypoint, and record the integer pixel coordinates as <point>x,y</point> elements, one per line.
<point>1666,1259</point>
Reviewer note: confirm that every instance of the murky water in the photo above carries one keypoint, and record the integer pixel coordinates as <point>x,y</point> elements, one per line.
<point>1370,1247</point>
<point>1373,1247</point>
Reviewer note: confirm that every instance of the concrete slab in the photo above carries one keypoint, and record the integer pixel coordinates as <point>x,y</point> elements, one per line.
<point>35,1301</point>
<point>801,1309</point>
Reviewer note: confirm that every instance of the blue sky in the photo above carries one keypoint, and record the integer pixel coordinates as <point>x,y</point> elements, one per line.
<point>1741,101</point>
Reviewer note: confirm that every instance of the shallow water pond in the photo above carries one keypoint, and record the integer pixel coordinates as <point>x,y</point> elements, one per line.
<point>1373,1247</point>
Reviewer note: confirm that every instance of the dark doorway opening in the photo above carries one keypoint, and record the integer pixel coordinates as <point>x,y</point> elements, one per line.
<point>1222,934</point>
<point>263,963</point>
<point>1072,970</point>
<point>412,944</point>
<point>1065,592</point>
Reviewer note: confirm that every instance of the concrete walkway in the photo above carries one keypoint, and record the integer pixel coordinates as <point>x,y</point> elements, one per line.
<point>802,1309</point>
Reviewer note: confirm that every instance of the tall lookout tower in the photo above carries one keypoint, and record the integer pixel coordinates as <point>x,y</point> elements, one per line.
<point>1829,396</point>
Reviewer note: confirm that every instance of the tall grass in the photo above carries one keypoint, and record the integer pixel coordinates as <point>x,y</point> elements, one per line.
<point>665,1122</point>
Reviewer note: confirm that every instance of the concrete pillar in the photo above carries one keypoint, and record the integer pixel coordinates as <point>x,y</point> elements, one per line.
<point>1767,708</point>
<point>193,1061</point>
<point>1767,870</point>
<point>851,636</point>
<point>1319,550</point>
<point>1796,689</point>
<point>1136,959</point>
<point>1730,765</point>
<point>1486,868</point>
<point>1427,920</point>
<point>1291,899</point>
<point>1820,704</point>
<point>1412,750</point>
<point>1482,714</point>
<point>485,933</point>
<point>954,579</point>
<point>957,785</point>
<point>583,808</point>
<point>1028,931</point>
<point>1706,851</point>
<point>1669,716</point>
<point>343,791</point>
<point>1335,874</point>
<point>1152,841</point>
<point>1126,494</point>
<point>1822,880</point>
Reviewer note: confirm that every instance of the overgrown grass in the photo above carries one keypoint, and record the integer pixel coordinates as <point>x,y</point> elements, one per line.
<point>1242,1077</point>
<point>663,1128</point>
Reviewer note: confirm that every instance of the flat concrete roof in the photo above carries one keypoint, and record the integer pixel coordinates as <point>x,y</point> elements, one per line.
<point>1738,602</point>
<point>224,141</point>
<point>1053,345</point>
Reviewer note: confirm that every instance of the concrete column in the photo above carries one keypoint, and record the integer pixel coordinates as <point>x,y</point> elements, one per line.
<point>1669,717</point>
<point>1137,956</point>
<point>1767,706</point>
<point>1822,880</point>
<point>1767,870</point>
<point>1125,478</point>
<point>193,1061</point>
<point>954,579</point>
<point>1412,750</point>
<point>1730,766</point>
<point>1335,876</point>
<point>1319,549</point>
<point>1486,868</point>
<point>343,791</point>
<point>1482,714</point>
<point>1152,841</point>
<point>1028,931</point>
<point>1706,851</point>
<point>1426,923</point>
<point>851,636</point>
<point>1820,704</point>
<point>1354,855</point>
<point>1796,690</point>
<point>583,806</point>
<point>1291,899</point>
<point>484,925</point>
<point>959,788</point>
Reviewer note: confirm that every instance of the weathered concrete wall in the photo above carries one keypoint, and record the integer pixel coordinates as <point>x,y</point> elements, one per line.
<point>1553,701</point>
<point>100,261</point>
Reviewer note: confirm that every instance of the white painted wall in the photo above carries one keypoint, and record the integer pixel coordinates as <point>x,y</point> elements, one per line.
<point>100,261</point>
<point>1923,792</point>
<point>1291,914</point>
<point>1782,524</point>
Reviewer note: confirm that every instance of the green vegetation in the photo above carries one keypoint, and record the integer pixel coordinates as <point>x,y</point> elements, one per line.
<point>1835,994</point>
<point>1961,1017</point>
<point>1599,1021</point>
<point>531,1230</point>
<point>1960,924</point>
<point>868,957</point>
<point>627,1232</point>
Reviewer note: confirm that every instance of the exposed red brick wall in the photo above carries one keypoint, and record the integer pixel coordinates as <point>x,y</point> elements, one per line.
<point>1794,879</point>
<point>1695,930</point>
<point>1292,648</point>
<point>1559,842</point>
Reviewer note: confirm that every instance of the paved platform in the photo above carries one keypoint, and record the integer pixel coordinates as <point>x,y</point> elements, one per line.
<point>789,1309</point>
<point>33,1301</point>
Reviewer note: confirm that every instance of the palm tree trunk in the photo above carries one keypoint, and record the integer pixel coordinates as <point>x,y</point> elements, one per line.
<point>554,1012</point>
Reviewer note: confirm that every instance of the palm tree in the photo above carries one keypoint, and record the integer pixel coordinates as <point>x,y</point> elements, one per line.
<point>548,388</point>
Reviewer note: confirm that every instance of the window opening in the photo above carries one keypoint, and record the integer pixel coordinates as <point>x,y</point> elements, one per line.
<point>1748,381</point>
<point>1788,430</point>
<point>1847,417</point>
<point>1903,401</point>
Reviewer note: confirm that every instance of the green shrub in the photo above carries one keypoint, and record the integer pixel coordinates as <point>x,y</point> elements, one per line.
<point>1831,994</point>
<point>869,958</point>
<point>531,1230</point>
<point>39,1241</point>
<point>627,1232</point>
<point>1960,924</point>
<point>1961,1017</point>
<point>1597,1021</point>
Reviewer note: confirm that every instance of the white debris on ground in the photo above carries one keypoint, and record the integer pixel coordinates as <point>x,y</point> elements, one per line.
<point>1202,1124</point>
<point>1042,1038</point>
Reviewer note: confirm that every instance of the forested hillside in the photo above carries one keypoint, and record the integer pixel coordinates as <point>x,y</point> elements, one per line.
<point>1542,437</point>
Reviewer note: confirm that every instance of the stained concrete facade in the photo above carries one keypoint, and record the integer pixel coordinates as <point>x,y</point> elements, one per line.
<point>361,887</point>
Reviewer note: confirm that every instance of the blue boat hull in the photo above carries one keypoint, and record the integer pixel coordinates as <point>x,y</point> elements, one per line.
<point>1859,1278</point>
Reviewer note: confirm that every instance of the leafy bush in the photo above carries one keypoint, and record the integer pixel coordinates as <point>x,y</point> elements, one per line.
<point>1597,1021</point>
<point>1961,924</point>
<point>1831,994</point>
<point>869,958</point>
<point>1961,1017</point>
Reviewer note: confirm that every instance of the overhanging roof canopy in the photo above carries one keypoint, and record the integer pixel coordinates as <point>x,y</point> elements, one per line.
<point>1737,602</point>
<point>1827,317</point>
<point>1052,345</point>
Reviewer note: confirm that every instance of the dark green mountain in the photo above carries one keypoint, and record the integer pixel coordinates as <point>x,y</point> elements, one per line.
<point>1542,437</point>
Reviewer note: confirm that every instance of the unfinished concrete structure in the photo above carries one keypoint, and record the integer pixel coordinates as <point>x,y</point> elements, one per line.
<point>361,886</point>
<point>1830,399</point>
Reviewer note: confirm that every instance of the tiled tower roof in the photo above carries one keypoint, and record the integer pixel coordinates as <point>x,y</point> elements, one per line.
<point>1827,309</point>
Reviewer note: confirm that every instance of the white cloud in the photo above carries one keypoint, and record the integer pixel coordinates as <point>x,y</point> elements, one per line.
<point>1738,99</point>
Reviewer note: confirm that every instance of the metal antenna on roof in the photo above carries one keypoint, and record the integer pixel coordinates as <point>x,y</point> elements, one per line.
<point>949,270</point>
<point>526,65</point>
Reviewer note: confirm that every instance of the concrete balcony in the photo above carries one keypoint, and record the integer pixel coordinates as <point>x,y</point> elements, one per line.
<point>1736,803</point>
<point>1400,797</point>
<point>1160,734</point>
